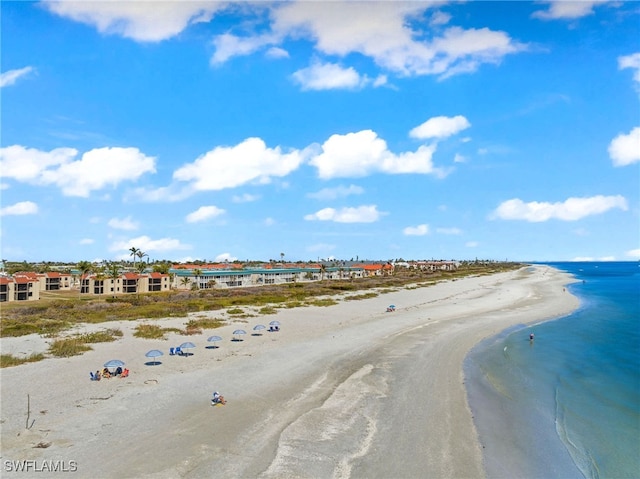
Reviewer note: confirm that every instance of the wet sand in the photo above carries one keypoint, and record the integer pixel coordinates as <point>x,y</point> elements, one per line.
<point>341,391</point>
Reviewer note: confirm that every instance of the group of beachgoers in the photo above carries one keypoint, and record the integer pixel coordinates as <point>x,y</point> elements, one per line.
<point>118,373</point>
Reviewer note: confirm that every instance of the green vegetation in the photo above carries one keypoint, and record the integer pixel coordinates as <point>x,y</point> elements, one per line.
<point>53,314</point>
<point>361,296</point>
<point>323,302</point>
<point>150,331</point>
<point>105,336</point>
<point>67,347</point>
<point>7,360</point>
<point>268,310</point>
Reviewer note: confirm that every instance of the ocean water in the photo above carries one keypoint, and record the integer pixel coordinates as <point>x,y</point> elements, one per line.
<point>567,404</point>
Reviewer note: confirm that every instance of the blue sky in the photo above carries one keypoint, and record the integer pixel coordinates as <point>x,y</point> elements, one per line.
<point>370,130</point>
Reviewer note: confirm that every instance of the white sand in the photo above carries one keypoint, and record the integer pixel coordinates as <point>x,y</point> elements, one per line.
<point>341,391</point>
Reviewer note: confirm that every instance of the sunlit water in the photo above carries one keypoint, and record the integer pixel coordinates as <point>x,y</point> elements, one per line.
<point>568,403</point>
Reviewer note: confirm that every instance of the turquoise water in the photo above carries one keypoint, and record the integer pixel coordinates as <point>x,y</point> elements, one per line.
<point>568,403</point>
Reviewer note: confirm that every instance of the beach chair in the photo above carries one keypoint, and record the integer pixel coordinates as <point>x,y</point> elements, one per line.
<point>93,377</point>
<point>172,351</point>
<point>178,351</point>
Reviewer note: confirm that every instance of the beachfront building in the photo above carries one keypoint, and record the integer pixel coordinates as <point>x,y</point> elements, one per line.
<point>434,265</point>
<point>19,287</point>
<point>225,275</point>
<point>55,281</point>
<point>125,283</point>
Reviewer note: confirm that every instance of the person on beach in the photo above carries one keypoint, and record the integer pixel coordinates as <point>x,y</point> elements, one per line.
<point>97,375</point>
<point>218,399</point>
<point>531,337</point>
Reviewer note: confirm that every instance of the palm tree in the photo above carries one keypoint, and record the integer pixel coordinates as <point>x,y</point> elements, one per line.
<point>141,254</point>
<point>185,281</point>
<point>100,277</point>
<point>134,253</point>
<point>323,270</point>
<point>84,267</point>
<point>197,272</point>
<point>211,283</point>
<point>113,272</point>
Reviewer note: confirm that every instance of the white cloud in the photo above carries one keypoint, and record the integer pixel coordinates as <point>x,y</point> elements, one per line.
<point>631,61</point>
<point>277,52</point>
<point>591,258</point>
<point>449,231</point>
<point>567,9</point>
<point>360,214</point>
<point>439,18</point>
<point>633,253</point>
<point>28,164</point>
<point>171,193</point>
<point>10,77</point>
<point>149,245</point>
<point>362,153</point>
<point>458,158</point>
<point>471,244</point>
<point>86,241</point>
<point>419,230</point>
<point>440,127</point>
<point>228,167</point>
<point>97,169</point>
<point>329,76</point>
<point>245,198</point>
<point>123,224</point>
<point>204,213</point>
<point>225,257</point>
<point>228,45</point>
<point>21,208</point>
<point>380,31</point>
<point>337,192</point>
<point>141,21</point>
<point>571,209</point>
<point>625,149</point>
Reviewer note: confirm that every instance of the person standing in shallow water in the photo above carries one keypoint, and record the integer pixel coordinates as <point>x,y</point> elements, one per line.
<point>531,337</point>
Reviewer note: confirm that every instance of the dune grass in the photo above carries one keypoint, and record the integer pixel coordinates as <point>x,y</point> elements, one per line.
<point>8,360</point>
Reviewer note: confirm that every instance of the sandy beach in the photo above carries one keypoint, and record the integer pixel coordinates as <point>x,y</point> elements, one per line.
<point>348,390</point>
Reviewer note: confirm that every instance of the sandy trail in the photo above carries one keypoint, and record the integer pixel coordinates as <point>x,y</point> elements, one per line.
<point>341,391</point>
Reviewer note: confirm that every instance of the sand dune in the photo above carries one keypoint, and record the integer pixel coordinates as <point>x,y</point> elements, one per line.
<point>341,391</point>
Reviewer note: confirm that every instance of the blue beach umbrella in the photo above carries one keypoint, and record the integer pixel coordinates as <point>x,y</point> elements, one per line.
<point>257,328</point>
<point>238,333</point>
<point>187,345</point>
<point>154,353</point>
<point>113,364</point>
<point>274,323</point>
<point>214,339</point>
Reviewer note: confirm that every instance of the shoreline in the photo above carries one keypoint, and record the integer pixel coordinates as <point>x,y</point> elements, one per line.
<point>339,391</point>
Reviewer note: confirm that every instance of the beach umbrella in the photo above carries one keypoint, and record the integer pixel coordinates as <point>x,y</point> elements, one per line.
<point>213,339</point>
<point>187,345</point>
<point>259,327</point>
<point>154,353</point>
<point>113,364</point>
<point>239,332</point>
<point>274,323</point>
